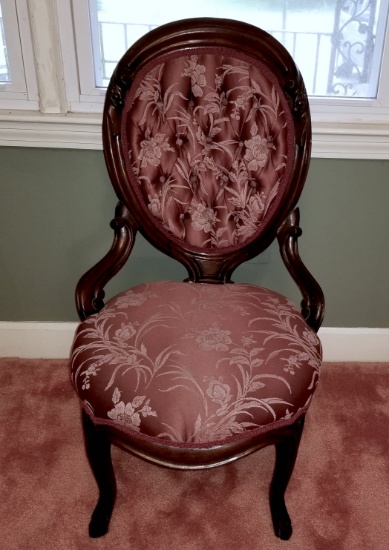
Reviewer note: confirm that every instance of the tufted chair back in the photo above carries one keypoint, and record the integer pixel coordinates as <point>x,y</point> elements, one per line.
<point>212,136</point>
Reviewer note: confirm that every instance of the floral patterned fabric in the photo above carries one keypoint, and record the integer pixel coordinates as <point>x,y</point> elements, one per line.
<point>196,364</point>
<point>208,139</point>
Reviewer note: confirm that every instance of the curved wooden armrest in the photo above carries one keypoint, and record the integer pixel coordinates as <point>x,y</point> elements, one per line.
<point>312,304</point>
<point>89,291</point>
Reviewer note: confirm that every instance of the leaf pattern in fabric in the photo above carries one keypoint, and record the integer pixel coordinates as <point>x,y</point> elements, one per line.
<point>196,363</point>
<point>209,144</point>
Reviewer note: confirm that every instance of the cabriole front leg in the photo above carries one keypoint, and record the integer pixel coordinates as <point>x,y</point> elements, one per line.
<point>286,454</point>
<point>98,450</point>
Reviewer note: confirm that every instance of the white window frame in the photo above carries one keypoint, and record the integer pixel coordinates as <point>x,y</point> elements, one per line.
<point>22,92</point>
<point>70,106</point>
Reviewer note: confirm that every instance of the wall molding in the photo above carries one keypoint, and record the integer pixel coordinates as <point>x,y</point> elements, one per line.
<point>347,140</point>
<point>355,344</point>
<point>36,340</point>
<point>51,131</point>
<point>53,340</point>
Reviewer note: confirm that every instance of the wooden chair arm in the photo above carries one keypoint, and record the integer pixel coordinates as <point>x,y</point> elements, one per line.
<point>89,290</point>
<point>312,304</point>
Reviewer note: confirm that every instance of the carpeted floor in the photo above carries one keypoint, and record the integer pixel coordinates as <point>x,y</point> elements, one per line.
<point>338,497</point>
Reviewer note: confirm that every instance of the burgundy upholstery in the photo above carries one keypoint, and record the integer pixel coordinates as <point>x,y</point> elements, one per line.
<point>196,364</point>
<point>208,141</point>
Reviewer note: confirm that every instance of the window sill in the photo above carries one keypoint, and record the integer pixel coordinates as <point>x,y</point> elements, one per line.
<point>349,140</point>
<point>69,131</point>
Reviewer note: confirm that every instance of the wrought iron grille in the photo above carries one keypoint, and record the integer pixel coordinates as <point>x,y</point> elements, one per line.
<point>353,43</point>
<point>339,61</point>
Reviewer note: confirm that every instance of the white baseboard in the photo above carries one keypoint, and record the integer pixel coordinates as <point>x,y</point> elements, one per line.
<point>36,340</point>
<point>355,344</point>
<point>53,340</point>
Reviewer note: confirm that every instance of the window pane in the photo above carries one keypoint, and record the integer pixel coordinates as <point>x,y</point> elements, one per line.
<point>337,44</point>
<point>4,67</point>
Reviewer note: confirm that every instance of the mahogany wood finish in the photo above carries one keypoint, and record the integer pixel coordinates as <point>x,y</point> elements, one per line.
<point>98,440</point>
<point>286,454</point>
<point>312,304</point>
<point>98,450</point>
<point>90,289</point>
<point>207,266</point>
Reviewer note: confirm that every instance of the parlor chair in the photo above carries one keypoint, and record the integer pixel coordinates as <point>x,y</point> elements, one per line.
<point>206,133</point>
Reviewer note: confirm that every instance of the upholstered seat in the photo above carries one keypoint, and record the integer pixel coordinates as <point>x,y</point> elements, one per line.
<point>196,364</point>
<point>207,136</point>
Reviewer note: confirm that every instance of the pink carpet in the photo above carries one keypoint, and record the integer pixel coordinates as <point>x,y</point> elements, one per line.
<point>338,497</point>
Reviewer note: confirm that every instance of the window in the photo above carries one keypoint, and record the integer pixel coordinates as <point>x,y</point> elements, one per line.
<point>4,65</point>
<point>336,43</point>
<point>56,58</point>
<point>18,88</point>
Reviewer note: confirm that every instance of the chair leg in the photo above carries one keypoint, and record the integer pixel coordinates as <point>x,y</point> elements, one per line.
<point>286,454</point>
<point>98,450</point>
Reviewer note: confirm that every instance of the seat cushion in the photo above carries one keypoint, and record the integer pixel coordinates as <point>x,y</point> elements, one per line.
<point>195,364</point>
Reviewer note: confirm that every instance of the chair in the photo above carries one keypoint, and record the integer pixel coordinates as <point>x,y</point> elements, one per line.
<point>206,133</point>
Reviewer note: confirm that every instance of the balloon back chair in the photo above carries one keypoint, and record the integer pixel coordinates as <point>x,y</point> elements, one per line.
<point>206,133</point>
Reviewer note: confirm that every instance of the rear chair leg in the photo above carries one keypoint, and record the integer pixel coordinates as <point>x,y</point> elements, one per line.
<point>286,454</point>
<point>98,450</point>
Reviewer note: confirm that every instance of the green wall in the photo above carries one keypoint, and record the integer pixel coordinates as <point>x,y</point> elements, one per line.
<point>56,205</point>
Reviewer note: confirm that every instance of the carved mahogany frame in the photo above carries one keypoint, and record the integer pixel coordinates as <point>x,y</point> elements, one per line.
<point>207,266</point>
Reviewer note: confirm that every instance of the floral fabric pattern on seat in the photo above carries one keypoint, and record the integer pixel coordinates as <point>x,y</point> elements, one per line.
<point>208,139</point>
<point>196,364</point>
